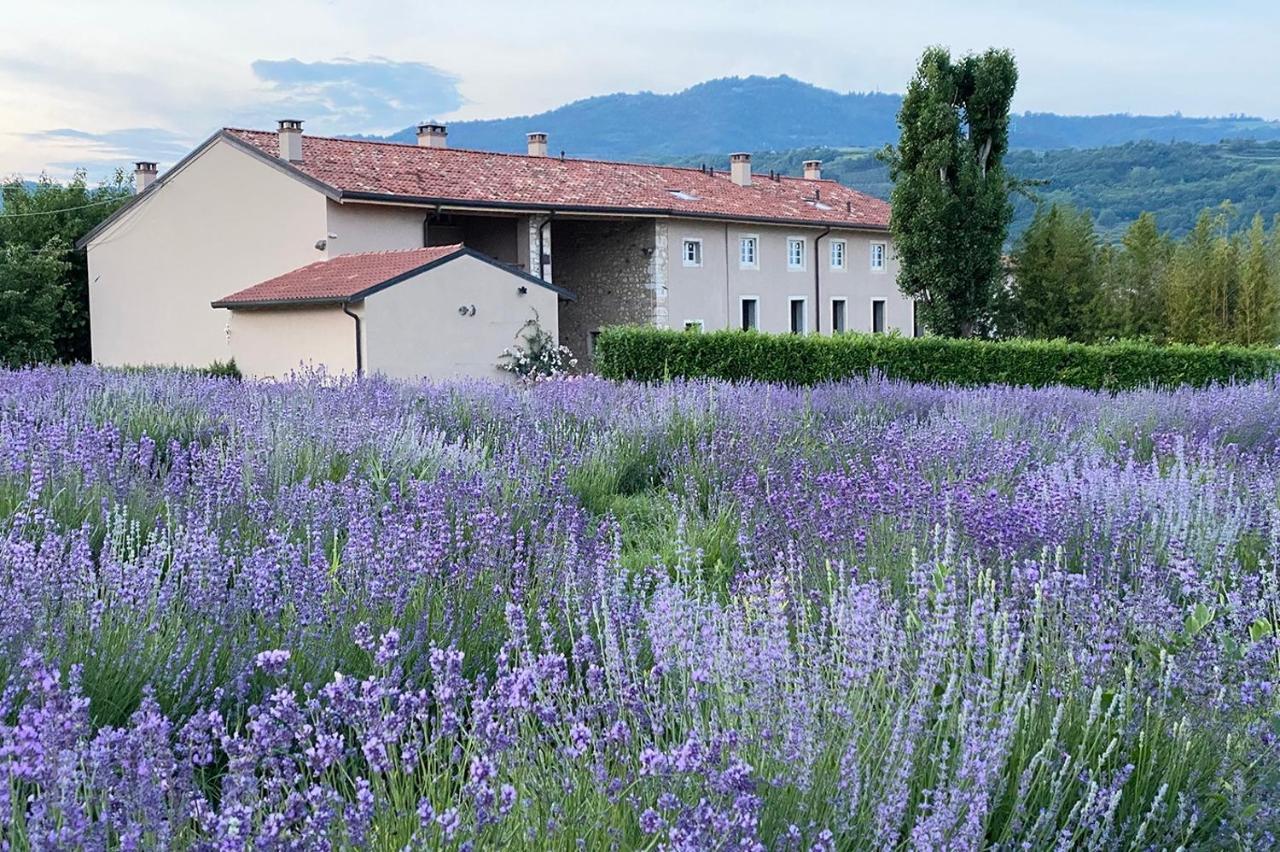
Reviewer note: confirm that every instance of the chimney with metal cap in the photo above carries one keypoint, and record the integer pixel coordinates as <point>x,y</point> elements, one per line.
<point>813,170</point>
<point>740,169</point>
<point>291,140</point>
<point>144,174</point>
<point>537,144</point>
<point>433,136</point>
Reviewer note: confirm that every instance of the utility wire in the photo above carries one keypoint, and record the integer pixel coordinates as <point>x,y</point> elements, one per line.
<point>59,210</point>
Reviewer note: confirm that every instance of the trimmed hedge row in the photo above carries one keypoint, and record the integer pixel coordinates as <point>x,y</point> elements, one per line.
<point>648,354</point>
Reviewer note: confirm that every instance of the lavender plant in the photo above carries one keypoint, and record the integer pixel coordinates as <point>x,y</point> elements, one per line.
<point>335,613</point>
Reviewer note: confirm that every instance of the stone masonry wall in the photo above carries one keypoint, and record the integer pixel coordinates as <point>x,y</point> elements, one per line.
<point>610,265</point>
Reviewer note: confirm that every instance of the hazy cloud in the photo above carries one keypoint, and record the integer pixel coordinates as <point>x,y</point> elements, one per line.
<point>348,95</point>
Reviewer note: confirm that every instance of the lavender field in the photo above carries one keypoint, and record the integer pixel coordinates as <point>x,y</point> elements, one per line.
<point>598,616</point>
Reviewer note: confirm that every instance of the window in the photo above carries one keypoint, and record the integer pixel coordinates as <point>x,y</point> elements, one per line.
<point>750,313</point>
<point>748,253</point>
<point>877,316</point>
<point>878,251</point>
<point>692,253</point>
<point>799,316</point>
<point>795,252</point>
<point>837,254</point>
<point>838,316</point>
<point>693,325</point>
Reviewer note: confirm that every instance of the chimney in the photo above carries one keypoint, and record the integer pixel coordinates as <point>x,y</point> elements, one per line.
<point>740,169</point>
<point>433,136</point>
<point>144,174</point>
<point>291,140</point>
<point>537,144</point>
<point>813,170</point>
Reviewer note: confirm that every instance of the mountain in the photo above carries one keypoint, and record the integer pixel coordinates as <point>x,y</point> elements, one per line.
<point>1175,181</point>
<point>781,113</point>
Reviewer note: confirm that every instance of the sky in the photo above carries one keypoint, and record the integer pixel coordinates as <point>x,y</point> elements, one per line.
<point>99,84</point>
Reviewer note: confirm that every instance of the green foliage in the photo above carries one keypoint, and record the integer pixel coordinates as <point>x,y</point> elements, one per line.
<point>1055,290</point>
<point>647,354</point>
<point>1175,181</point>
<point>44,219</point>
<point>32,299</point>
<point>950,197</point>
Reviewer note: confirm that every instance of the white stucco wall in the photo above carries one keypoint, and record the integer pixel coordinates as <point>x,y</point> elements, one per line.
<point>224,222</point>
<point>414,330</point>
<point>274,342</point>
<point>373,227</point>
<point>713,292</point>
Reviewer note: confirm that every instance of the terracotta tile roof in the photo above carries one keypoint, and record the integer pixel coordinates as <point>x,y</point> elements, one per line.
<point>358,169</point>
<point>339,278</point>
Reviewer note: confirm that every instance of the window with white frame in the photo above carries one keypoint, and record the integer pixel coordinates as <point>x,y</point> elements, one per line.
<point>879,253</point>
<point>692,253</point>
<point>795,252</point>
<point>749,252</point>
<point>839,316</point>
<point>799,315</point>
<point>877,316</point>
<point>750,313</point>
<point>693,325</point>
<point>837,254</point>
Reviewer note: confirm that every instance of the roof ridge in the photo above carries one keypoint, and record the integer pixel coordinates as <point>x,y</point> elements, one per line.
<point>416,147</point>
<point>449,246</point>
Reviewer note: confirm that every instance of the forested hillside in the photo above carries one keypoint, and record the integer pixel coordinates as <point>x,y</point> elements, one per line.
<point>777,113</point>
<point>1115,184</point>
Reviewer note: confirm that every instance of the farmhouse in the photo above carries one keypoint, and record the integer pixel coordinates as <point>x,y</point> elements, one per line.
<point>281,249</point>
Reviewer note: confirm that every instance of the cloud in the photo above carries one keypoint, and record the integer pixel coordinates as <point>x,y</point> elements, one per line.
<point>348,95</point>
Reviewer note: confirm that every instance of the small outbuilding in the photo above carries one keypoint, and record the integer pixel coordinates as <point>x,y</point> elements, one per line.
<point>415,313</point>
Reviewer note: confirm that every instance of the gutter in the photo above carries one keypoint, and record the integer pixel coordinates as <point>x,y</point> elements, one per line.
<point>600,210</point>
<point>817,283</point>
<point>346,309</point>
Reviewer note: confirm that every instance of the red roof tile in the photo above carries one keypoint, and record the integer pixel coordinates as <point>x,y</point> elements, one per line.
<point>355,168</point>
<point>339,278</point>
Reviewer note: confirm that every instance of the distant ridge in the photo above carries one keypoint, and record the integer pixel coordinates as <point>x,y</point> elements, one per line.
<point>782,113</point>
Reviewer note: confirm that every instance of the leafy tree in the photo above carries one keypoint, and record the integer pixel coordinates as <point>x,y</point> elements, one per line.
<point>1258,302</point>
<point>32,295</point>
<point>1131,282</point>
<point>1201,290</point>
<point>950,197</point>
<point>1055,276</point>
<point>36,218</point>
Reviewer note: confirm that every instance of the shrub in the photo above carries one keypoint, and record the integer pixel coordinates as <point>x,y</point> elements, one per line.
<point>647,354</point>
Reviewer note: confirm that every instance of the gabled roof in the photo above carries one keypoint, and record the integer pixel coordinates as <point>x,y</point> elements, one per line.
<point>386,171</point>
<point>352,277</point>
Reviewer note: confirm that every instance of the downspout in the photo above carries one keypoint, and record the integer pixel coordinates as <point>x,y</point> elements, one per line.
<point>817,283</point>
<point>542,255</point>
<point>346,309</point>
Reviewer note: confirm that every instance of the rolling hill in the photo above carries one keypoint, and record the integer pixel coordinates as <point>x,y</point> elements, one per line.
<point>780,113</point>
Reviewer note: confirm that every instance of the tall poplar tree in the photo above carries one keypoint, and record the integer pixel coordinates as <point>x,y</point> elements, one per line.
<point>951,209</point>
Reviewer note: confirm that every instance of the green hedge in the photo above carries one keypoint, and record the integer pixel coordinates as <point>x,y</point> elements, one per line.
<point>647,354</point>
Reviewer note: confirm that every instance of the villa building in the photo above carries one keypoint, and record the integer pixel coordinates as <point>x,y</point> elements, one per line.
<point>281,249</point>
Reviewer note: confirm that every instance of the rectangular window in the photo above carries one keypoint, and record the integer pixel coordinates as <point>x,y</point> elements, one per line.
<point>878,251</point>
<point>750,318</point>
<point>838,319</point>
<point>693,325</point>
<point>795,252</point>
<point>692,254</point>
<point>877,316</point>
<point>749,253</point>
<point>799,316</point>
<point>837,254</point>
